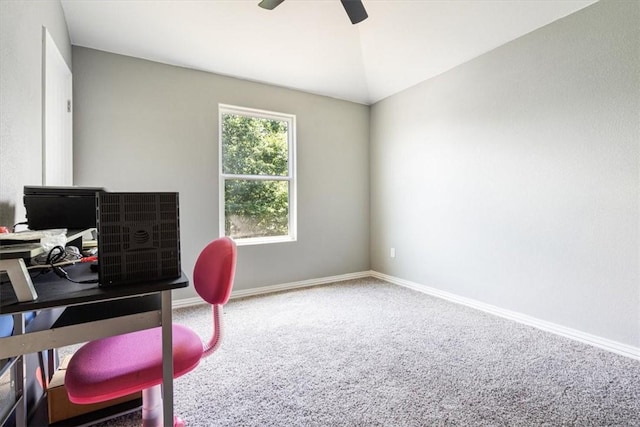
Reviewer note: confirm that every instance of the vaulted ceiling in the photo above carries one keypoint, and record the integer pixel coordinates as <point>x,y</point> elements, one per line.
<point>311,45</point>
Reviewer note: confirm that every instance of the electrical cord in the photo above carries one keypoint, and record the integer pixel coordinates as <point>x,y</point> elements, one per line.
<point>55,261</point>
<point>60,264</point>
<point>60,272</point>
<point>55,255</point>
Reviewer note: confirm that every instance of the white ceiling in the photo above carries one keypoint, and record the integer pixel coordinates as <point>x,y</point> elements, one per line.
<point>311,45</point>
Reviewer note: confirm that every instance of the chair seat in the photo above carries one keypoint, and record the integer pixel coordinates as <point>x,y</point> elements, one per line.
<point>116,366</point>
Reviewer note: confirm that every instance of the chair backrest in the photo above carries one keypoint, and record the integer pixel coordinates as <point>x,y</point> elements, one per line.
<point>214,271</point>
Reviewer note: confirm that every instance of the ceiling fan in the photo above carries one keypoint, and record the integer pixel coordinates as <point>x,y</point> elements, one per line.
<point>355,8</point>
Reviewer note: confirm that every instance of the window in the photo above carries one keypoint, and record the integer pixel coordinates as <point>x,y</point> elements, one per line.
<point>257,175</point>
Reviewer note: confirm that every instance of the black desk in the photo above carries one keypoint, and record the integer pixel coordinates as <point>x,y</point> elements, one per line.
<point>75,313</point>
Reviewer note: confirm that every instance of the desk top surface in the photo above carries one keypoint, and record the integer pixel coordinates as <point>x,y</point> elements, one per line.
<point>54,291</point>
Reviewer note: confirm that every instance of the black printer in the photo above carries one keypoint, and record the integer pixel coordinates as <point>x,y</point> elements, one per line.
<point>73,208</point>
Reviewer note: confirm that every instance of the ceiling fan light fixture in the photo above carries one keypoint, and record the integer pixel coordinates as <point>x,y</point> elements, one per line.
<point>269,4</point>
<point>355,9</point>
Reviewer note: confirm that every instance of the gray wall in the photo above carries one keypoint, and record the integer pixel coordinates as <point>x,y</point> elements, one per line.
<point>514,179</point>
<point>21,25</point>
<point>145,126</point>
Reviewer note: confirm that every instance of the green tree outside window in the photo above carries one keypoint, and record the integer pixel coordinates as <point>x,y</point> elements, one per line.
<point>256,174</point>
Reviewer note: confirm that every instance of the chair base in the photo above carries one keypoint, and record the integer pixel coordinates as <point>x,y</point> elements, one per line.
<point>152,410</point>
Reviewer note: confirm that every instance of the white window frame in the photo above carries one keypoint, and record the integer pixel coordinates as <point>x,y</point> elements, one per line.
<point>291,177</point>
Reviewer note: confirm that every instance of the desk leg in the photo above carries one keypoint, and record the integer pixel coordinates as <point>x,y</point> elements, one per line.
<point>167,359</point>
<point>21,378</point>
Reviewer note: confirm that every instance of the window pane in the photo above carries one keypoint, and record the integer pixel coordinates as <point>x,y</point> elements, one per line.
<point>256,208</point>
<point>254,146</point>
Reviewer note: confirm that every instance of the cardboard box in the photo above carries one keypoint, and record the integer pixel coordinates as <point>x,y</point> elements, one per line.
<point>60,408</point>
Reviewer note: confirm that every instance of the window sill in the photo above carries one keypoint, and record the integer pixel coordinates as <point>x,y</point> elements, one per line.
<point>264,240</point>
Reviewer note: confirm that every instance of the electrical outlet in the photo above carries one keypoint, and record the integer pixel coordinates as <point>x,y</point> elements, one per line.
<point>392,253</point>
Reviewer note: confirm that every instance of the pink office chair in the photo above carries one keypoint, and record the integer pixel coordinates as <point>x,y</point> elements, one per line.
<point>117,366</point>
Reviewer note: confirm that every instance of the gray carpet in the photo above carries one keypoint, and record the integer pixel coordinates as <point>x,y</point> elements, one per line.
<point>368,353</point>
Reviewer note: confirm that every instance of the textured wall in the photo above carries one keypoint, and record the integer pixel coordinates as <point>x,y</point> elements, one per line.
<point>21,25</point>
<point>145,126</point>
<point>514,179</point>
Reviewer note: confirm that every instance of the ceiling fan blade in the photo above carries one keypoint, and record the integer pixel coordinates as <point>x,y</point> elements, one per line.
<point>269,4</point>
<point>355,10</point>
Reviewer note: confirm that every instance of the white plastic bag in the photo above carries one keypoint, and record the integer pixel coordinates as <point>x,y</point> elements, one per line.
<point>52,238</point>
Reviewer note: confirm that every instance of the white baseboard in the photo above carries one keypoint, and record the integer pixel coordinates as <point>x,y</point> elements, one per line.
<point>243,293</point>
<point>186,302</point>
<point>574,334</point>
